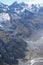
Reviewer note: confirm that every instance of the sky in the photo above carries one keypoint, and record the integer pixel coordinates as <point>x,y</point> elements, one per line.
<point>9,2</point>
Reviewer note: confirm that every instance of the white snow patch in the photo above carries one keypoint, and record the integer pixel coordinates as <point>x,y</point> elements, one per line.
<point>5,10</point>
<point>4,17</point>
<point>41,37</point>
<point>15,16</point>
<point>1,26</point>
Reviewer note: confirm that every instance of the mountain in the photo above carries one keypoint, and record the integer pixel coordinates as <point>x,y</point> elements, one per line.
<point>13,50</point>
<point>41,10</point>
<point>17,23</point>
<point>17,7</point>
<point>3,7</point>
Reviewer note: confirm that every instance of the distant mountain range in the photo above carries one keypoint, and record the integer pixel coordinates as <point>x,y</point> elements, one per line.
<point>20,19</point>
<point>17,22</point>
<point>15,7</point>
